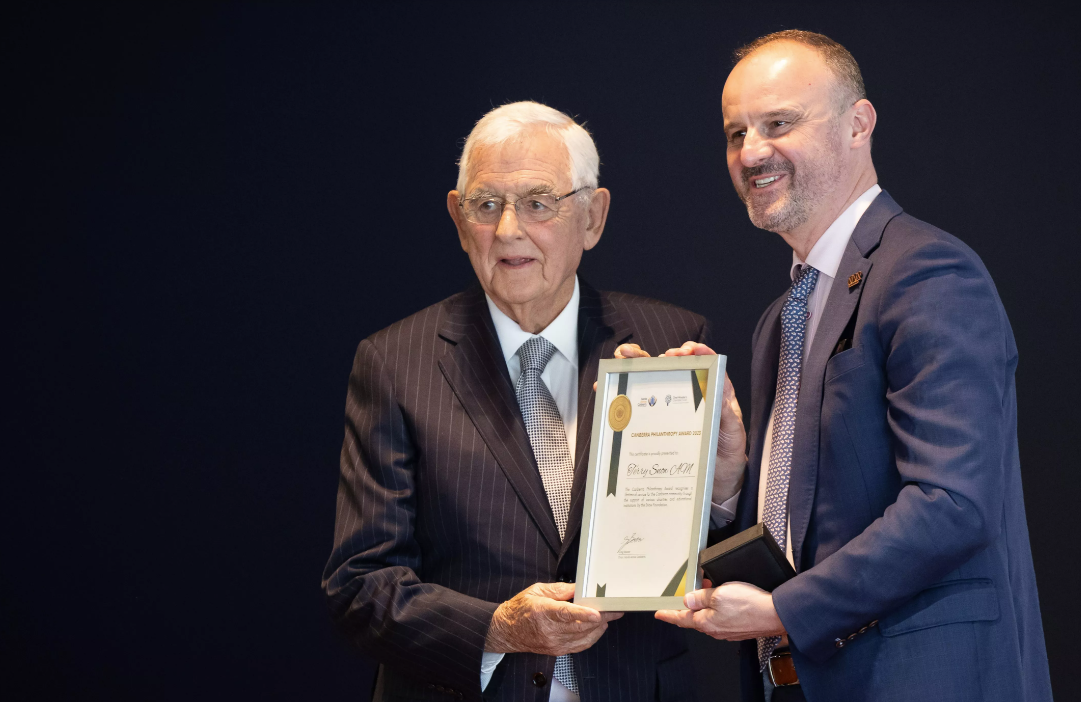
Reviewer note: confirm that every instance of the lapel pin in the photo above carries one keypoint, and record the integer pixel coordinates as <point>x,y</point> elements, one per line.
<point>854,279</point>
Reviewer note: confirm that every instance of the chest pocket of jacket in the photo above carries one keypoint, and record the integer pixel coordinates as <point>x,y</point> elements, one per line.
<point>844,362</point>
<point>951,602</point>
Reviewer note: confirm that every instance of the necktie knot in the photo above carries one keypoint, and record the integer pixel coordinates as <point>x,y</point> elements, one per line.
<point>535,354</point>
<point>804,283</point>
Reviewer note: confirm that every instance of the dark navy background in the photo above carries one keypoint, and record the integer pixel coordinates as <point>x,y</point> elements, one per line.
<point>206,207</point>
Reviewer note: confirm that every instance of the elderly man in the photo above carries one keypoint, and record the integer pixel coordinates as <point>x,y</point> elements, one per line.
<point>466,441</point>
<point>883,442</point>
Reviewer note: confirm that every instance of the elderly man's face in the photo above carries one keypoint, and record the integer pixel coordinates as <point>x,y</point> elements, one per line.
<point>526,263</point>
<point>785,137</point>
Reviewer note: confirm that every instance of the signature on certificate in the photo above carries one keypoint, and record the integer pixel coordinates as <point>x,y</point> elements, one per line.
<point>627,541</point>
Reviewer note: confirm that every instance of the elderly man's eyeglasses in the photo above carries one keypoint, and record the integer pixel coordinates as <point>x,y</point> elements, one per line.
<point>539,207</point>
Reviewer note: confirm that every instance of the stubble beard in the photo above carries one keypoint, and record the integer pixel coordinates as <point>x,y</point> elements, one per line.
<point>808,187</point>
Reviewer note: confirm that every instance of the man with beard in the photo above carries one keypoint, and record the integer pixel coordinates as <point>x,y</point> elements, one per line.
<point>883,440</point>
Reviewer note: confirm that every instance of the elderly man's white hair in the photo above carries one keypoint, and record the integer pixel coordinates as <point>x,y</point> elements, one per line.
<point>508,121</point>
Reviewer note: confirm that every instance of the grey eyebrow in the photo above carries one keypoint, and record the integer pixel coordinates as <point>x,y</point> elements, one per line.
<point>481,192</point>
<point>535,190</point>
<point>538,190</point>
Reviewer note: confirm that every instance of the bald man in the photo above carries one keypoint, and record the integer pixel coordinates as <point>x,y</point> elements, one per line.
<point>883,429</point>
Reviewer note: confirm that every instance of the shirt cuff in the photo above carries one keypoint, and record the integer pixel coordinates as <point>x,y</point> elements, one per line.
<point>722,514</point>
<point>488,664</point>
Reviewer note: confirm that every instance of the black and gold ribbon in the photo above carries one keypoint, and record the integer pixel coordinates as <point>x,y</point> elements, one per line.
<point>617,440</point>
<point>698,386</point>
<point>678,584</point>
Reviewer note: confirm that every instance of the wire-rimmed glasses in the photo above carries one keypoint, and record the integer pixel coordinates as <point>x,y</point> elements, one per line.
<point>535,207</point>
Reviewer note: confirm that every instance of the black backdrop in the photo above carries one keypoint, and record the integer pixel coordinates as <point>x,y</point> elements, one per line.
<point>205,208</point>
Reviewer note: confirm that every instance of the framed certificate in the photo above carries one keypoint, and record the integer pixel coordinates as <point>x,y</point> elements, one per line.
<point>650,481</point>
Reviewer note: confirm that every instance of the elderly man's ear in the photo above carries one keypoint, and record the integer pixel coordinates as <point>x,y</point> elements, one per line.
<point>596,216</point>
<point>456,215</point>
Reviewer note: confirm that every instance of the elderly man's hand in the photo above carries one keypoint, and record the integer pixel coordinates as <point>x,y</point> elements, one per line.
<point>733,611</point>
<point>539,619</point>
<point>626,351</point>
<point>630,351</point>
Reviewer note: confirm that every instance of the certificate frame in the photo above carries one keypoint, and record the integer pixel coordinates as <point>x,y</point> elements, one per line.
<point>600,467</point>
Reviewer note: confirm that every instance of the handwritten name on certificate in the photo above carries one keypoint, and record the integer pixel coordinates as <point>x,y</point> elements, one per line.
<point>651,448</point>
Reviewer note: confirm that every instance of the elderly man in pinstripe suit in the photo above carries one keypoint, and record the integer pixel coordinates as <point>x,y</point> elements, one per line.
<point>466,439</point>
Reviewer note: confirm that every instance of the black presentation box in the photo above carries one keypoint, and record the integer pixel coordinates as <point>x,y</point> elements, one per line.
<point>751,556</point>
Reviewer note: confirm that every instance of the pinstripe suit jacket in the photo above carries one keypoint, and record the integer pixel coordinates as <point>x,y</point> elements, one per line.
<point>442,515</point>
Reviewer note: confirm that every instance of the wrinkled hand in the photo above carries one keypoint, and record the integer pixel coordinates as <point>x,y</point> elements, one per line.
<point>539,619</point>
<point>733,611</point>
<point>626,351</point>
<point>630,351</point>
<point>732,439</point>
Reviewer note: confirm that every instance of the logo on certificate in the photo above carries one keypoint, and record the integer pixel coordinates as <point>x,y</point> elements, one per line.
<point>619,413</point>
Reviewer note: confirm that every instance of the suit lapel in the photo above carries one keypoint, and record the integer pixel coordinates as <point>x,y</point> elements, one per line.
<point>765,356</point>
<point>477,372</point>
<point>840,305</point>
<point>600,330</point>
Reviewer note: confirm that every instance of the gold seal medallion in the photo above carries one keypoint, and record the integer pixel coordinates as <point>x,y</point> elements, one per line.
<point>619,413</point>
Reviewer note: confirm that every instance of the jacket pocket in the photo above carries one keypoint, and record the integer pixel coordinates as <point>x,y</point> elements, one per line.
<point>951,602</point>
<point>844,362</point>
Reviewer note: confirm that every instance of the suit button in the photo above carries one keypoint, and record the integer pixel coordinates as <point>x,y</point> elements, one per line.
<point>874,623</point>
<point>540,680</point>
<point>839,643</point>
<point>863,630</point>
<point>851,637</point>
<point>564,579</point>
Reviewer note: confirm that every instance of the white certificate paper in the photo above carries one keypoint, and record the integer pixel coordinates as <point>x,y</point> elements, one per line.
<point>651,479</point>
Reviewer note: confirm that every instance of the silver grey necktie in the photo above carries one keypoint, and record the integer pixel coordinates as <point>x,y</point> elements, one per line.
<point>548,438</point>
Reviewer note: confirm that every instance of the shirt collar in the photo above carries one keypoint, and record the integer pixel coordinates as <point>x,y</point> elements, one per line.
<point>826,254</point>
<point>562,332</point>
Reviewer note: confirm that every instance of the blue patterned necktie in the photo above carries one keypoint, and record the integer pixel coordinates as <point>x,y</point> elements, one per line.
<point>548,437</point>
<point>775,511</point>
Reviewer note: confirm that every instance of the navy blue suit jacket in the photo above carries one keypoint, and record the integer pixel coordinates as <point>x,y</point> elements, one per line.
<point>442,514</point>
<point>905,494</point>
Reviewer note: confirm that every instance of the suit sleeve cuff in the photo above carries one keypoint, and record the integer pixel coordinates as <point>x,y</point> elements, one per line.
<point>805,629</point>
